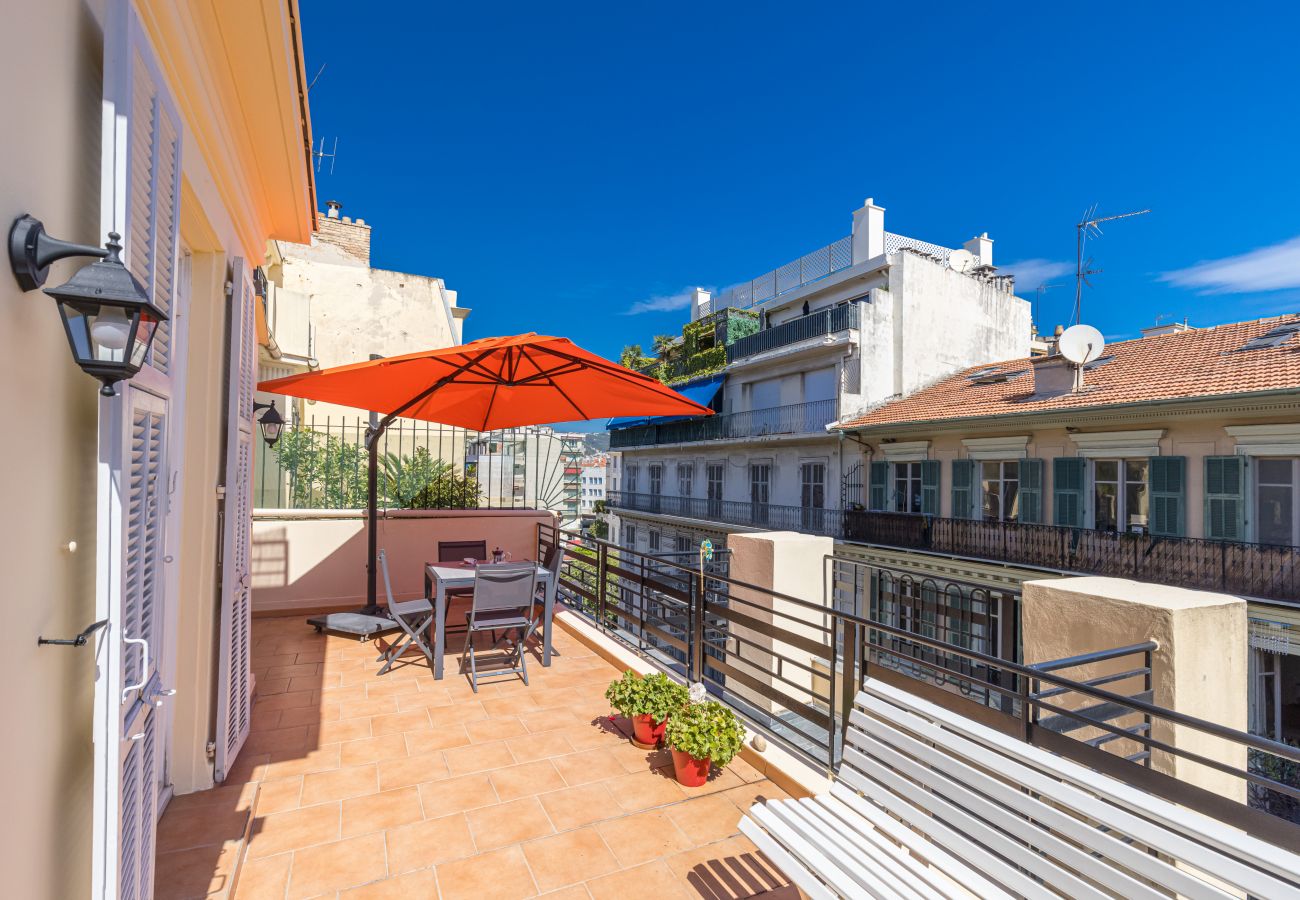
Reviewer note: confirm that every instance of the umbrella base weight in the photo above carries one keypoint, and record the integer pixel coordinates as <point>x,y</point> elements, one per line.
<point>359,624</point>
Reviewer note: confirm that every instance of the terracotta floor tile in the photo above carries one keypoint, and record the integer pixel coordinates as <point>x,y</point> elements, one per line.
<point>248,768</point>
<point>552,720</point>
<point>289,765</point>
<point>277,796</point>
<point>305,715</point>
<point>335,866</point>
<point>589,765</point>
<point>423,699</point>
<point>196,872</point>
<point>429,842</point>
<point>343,730</point>
<point>654,879</point>
<point>730,868</point>
<point>199,826</point>
<point>411,886</point>
<point>294,829</point>
<point>706,819</point>
<point>496,729</point>
<point>264,879</point>
<point>478,758</point>
<point>229,796</point>
<point>569,858</point>
<point>280,739</point>
<point>379,812</point>
<point>572,892</point>
<point>508,823</point>
<point>747,795</point>
<point>499,875</point>
<point>453,795</point>
<point>457,713</point>
<point>525,780</point>
<point>593,733</point>
<point>639,838</point>
<point>431,740</point>
<point>719,780</point>
<point>380,706</point>
<point>509,706</point>
<point>396,723</point>
<point>746,772</point>
<point>376,749</point>
<point>339,784</point>
<point>577,806</point>
<point>395,773</point>
<point>293,670</point>
<point>531,747</point>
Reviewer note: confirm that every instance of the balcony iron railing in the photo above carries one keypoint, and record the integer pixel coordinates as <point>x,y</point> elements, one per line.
<point>769,516</point>
<point>790,666</point>
<point>805,269</point>
<point>798,418</point>
<point>813,325</point>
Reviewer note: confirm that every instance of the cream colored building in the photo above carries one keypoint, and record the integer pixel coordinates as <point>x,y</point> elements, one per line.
<point>185,128</point>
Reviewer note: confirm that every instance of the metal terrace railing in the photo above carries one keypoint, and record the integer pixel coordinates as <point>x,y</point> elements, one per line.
<point>796,418</point>
<point>769,516</point>
<point>805,269</point>
<point>822,322</point>
<point>1255,570</point>
<point>791,667</point>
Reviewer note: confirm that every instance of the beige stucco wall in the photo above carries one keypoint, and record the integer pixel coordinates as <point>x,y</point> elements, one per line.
<point>310,560</point>
<point>49,167</point>
<point>1199,669</point>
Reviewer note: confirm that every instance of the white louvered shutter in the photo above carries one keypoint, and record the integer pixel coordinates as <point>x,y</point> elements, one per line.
<point>234,680</point>
<point>140,150</point>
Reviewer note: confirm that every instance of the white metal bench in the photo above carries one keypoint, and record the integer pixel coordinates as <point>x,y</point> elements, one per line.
<point>928,803</point>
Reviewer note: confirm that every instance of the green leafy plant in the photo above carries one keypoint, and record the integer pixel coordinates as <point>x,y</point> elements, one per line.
<point>706,730</point>
<point>657,696</point>
<point>419,481</point>
<point>324,471</point>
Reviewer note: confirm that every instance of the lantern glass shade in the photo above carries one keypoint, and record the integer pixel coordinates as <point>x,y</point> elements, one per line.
<point>271,424</point>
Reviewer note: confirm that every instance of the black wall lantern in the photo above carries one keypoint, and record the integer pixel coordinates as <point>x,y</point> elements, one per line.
<point>107,314</point>
<point>271,424</point>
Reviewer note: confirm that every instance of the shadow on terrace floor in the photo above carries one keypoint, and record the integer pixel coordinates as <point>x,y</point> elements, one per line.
<point>363,787</point>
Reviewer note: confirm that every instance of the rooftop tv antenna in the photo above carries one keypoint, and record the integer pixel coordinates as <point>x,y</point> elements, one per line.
<point>1089,225</point>
<point>321,155</point>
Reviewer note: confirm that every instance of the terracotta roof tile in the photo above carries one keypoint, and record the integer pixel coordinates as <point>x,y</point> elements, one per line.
<point>1202,362</point>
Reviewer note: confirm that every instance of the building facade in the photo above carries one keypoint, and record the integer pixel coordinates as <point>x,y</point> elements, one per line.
<point>871,317</point>
<point>134,513</point>
<point>592,486</point>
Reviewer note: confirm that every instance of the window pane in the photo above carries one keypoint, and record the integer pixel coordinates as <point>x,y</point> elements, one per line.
<point>1275,471</point>
<point>1135,470</point>
<point>990,470</point>
<point>1135,505</point>
<point>1010,500</point>
<point>1011,469</point>
<point>1275,514</point>
<point>1104,508</point>
<point>992,501</point>
<point>1106,470</point>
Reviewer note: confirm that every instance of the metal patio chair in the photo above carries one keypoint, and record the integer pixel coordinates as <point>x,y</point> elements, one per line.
<point>554,560</point>
<point>412,616</point>
<point>454,552</point>
<point>503,601</point>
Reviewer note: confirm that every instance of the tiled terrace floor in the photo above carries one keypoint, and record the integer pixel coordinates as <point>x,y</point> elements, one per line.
<point>362,786</point>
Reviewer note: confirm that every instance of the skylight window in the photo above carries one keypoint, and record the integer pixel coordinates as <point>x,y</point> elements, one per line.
<point>1097,363</point>
<point>995,377</point>
<point>1274,337</point>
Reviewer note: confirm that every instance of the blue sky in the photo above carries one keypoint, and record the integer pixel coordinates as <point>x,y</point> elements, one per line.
<point>561,166</point>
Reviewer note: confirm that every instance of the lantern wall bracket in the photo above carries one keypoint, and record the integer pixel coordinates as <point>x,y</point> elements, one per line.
<point>31,251</point>
<point>78,641</point>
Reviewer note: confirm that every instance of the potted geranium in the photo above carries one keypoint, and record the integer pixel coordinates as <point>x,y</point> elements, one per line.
<point>702,735</point>
<point>647,702</point>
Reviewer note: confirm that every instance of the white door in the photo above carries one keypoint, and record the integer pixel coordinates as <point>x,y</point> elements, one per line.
<point>140,175</point>
<point>234,674</point>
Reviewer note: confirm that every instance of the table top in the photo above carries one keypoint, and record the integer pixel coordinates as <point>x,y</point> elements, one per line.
<point>453,572</point>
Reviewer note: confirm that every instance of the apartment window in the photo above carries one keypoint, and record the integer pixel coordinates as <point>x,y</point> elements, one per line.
<point>685,479</point>
<point>812,494</point>
<point>1119,495</point>
<point>683,544</point>
<point>760,490</point>
<point>629,478</point>
<point>653,537</point>
<point>629,537</point>
<point>714,474</point>
<point>1276,509</point>
<point>907,487</point>
<point>1000,489</point>
<point>656,479</point>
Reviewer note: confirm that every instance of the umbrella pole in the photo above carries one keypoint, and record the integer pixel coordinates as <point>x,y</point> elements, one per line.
<point>373,434</point>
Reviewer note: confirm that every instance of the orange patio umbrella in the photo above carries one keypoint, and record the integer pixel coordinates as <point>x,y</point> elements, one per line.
<point>501,382</point>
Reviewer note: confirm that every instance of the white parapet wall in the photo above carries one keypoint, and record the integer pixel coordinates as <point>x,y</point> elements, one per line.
<point>312,560</point>
<point>1199,668</point>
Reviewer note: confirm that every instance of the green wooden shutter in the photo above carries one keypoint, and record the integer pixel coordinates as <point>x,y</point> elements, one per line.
<point>1067,491</point>
<point>930,487</point>
<point>879,484</point>
<point>963,487</point>
<point>1031,491</point>
<point>1168,475</point>
<point>1225,498</point>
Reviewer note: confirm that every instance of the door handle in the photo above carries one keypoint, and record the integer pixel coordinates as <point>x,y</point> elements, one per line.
<point>144,666</point>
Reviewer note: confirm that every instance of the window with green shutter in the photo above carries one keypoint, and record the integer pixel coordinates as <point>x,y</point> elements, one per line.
<point>963,488</point>
<point>1225,498</point>
<point>930,487</point>
<point>879,477</point>
<point>1168,476</point>
<point>1068,473</point>
<point>1031,491</point>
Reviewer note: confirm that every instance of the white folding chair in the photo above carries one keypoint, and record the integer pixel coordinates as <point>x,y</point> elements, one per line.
<point>413,616</point>
<point>503,601</point>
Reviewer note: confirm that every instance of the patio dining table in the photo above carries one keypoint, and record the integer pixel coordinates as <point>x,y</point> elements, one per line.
<point>439,578</point>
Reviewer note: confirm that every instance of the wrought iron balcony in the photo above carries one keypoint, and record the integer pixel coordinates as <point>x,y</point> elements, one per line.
<point>798,418</point>
<point>822,322</point>
<point>734,512</point>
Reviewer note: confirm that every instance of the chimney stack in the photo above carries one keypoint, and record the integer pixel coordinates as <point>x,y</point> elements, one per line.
<point>868,231</point>
<point>332,208</point>
<point>699,303</point>
<point>981,247</point>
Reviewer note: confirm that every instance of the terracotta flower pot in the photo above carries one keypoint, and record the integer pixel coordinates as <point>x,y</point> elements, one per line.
<point>691,772</point>
<point>646,732</point>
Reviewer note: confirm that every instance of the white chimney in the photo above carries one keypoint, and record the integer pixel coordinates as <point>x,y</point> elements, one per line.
<point>332,207</point>
<point>868,231</point>
<point>981,247</point>
<point>700,304</point>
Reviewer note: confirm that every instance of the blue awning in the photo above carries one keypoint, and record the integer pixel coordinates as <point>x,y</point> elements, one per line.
<point>702,392</point>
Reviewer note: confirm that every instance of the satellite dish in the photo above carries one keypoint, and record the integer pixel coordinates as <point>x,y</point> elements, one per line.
<point>961,260</point>
<point>1081,344</point>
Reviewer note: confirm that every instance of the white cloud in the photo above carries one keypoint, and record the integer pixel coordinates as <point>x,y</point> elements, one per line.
<point>1266,269</point>
<point>662,303</point>
<point>1033,273</point>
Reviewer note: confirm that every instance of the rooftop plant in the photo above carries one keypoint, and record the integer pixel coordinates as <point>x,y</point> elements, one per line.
<point>706,730</point>
<point>657,696</point>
